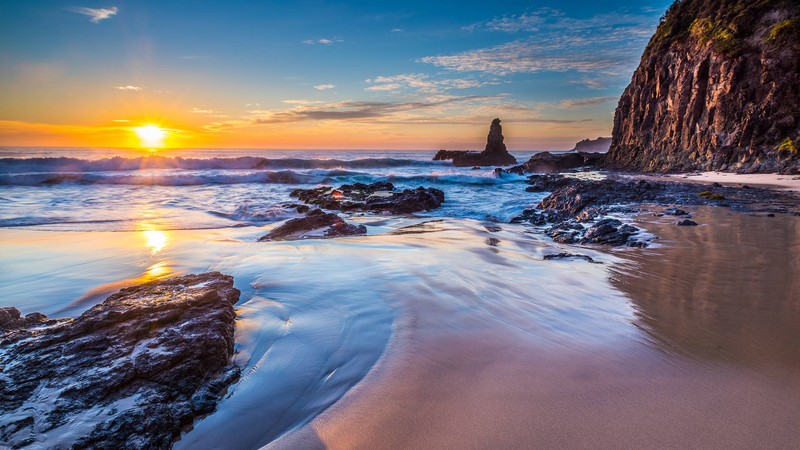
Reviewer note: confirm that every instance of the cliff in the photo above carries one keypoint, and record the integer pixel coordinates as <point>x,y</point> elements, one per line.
<point>717,88</point>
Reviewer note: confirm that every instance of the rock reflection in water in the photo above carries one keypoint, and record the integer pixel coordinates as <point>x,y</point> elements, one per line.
<point>727,290</point>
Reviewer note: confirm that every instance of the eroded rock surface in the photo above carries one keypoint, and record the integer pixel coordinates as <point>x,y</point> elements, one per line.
<point>376,197</point>
<point>316,224</point>
<point>131,372</point>
<point>495,153</point>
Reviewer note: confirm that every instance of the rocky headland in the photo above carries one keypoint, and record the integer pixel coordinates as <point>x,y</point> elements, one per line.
<point>132,372</point>
<point>718,88</point>
<point>599,145</point>
<point>495,153</point>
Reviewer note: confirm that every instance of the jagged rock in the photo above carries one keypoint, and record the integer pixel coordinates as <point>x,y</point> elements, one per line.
<point>599,145</point>
<point>375,197</point>
<point>316,224</point>
<point>495,153</point>
<point>718,88</point>
<point>131,372</point>
<point>546,162</point>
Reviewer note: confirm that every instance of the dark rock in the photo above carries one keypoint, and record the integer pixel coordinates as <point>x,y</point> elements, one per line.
<point>327,225</point>
<point>717,88</point>
<point>599,145</point>
<point>686,223</point>
<point>131,372</point>
<point>609,232</point>
<point>565,255</point>
<point>375,197</point>
<point>546,162</point>
<point>716,185</point>
<point>676,212</point>
<point>495,153</point>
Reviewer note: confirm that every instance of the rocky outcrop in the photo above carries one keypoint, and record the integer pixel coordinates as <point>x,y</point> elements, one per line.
<point>131,372</point>
<point>718,88</point>
<point>546,162</point>
<point>599,145</point>
<point>378,197</point>
<point>316,224</point>
<point>576,211</point>
<point>495,153</point>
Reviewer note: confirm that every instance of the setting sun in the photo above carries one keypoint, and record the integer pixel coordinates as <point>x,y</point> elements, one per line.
<point>151,136</point>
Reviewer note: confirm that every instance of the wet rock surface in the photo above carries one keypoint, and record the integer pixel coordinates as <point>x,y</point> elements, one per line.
<point>316,224</point>
<point>577,210</point>
<point>546,162</point>
<point>495,153</point>
<point>376,197</point>
<point>131,372</point>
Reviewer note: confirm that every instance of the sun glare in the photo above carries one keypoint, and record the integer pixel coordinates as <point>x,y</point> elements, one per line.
<point>150,136</point>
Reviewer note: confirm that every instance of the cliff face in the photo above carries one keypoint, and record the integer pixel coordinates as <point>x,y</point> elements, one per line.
<point>718,88</point>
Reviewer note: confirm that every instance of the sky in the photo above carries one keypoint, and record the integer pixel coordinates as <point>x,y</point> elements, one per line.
<point>317,75</point>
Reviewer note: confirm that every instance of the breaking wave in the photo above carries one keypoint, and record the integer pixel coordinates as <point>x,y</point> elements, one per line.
<point>115,164</point>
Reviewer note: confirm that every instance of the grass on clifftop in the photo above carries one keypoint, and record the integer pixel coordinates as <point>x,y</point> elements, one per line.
<point>727,24</point>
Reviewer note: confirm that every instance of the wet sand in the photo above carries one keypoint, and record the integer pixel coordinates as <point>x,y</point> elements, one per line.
<point>765,180</point>
<point>711,360</point>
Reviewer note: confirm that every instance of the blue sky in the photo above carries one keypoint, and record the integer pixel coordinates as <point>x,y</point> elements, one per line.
<point>318,74</point>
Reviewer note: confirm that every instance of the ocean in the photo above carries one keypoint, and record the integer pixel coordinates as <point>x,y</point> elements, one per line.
<point>431,320</point>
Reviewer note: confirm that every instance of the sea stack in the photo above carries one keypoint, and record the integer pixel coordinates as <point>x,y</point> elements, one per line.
<point>718,88</point>
<point>495,153</point>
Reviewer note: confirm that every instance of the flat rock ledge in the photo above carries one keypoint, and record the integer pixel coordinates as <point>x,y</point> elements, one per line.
<point>380,197</point>
<point>576,210</point>
<point>316,224</point>
<point>131,372</point>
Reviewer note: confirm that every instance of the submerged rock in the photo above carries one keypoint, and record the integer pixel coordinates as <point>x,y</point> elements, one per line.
<point>494,154</point>
<point>131,372</point>
<point>375,197</point>
<point>686,223</point>
<point>316,224</point>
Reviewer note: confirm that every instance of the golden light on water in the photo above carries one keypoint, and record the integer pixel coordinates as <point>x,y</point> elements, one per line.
<point>151,136</point>
<point>155,240</point>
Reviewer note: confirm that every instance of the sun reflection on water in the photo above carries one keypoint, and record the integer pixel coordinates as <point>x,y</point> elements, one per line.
<point>155,240</point>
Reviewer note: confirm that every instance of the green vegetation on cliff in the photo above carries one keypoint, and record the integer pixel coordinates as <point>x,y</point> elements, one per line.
<point>726,24</point>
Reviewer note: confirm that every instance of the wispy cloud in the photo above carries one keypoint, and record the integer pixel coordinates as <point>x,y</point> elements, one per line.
<point>609,44</point>
<point>584,102</point>
<point>96,15</point>
<point>323,41</point>
<point>422,83</point>
<point>129,88</point>
<point>324,87</point>
<point>205,111</point>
